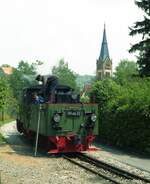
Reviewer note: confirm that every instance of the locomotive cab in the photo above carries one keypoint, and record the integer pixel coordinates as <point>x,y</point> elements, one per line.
<point>65,94</point>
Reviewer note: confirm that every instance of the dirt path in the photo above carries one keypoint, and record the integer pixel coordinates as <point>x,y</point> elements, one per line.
<point>19,166</point>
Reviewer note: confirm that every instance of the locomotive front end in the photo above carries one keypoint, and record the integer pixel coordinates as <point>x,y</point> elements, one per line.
<point>72,127</point>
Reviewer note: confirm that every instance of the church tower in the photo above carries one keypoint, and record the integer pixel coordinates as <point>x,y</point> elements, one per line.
<point>104,63</point>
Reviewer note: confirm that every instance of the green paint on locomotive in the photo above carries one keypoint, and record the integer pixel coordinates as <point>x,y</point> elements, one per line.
<point>74,118</point>
<point>60,110</point>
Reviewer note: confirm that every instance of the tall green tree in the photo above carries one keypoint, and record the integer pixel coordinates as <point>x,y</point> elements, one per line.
<point>142,28</point>
<point>26,68</point>
<point>23,76</point>
<point>65,74</point>
<point>125,71</point>
<point>5,96</point>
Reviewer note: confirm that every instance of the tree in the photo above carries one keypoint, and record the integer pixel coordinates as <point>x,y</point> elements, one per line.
<point>66,76</point>
<point>143,28</point>
<point>5,96</point>
<point>103,91</point>
<point>23,76</point>
<point>125,71</point>
<point>29,69</point>
<point>82,80</point>
<point>5,65</point>
<point>26,68</point>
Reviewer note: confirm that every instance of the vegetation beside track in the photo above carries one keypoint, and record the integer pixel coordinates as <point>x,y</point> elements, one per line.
<point>2,139</point>
<point>124,111</point>
<point>6,121</point>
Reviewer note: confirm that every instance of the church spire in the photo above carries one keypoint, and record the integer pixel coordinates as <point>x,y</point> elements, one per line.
<point>104,47</point>
<point>104,63</point>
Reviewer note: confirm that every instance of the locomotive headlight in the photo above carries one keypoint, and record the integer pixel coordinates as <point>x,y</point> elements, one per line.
<point>56,118</point>
<point>93,117</point>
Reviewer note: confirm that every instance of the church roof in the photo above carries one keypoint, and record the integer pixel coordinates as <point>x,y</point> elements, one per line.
<point>104,47</point>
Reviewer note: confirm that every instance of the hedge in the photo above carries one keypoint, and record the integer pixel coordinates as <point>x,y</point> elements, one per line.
<point>124,113</point>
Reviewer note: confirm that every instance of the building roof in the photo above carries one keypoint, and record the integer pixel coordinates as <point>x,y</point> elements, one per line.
<point>104,53</point>
<point>8,70</point>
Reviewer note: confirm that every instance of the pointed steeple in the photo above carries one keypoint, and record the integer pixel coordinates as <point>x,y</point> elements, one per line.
<point>104,47</point>
<point>104,63</point>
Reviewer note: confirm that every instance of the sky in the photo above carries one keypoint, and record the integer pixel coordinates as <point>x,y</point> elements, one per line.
<point>49,30</point>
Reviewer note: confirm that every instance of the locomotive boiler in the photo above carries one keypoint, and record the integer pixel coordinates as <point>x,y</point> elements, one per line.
<point>54,113</point>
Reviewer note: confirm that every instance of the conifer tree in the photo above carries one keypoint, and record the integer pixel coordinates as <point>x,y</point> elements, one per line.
<point>142,28</point>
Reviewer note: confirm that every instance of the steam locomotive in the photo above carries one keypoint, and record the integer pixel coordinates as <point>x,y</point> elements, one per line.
<point>54,114</point>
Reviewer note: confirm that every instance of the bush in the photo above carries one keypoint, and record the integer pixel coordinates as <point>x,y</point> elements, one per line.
<point>124,113</point>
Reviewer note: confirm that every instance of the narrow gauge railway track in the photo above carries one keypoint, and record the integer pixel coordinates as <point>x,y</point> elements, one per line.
<point>101,167</point>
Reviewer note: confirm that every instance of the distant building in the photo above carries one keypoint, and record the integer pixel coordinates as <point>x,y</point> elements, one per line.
<point>6,70</point>
<point>104,63</point>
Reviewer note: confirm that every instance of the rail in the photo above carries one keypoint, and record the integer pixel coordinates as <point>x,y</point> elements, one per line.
<point>100,168</point>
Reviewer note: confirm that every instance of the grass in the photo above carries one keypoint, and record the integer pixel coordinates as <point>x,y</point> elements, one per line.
<point>2,139</point>
<point>6,121</point>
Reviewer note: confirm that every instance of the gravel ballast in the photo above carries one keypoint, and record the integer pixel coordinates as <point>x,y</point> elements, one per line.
<point>25,169</point>
<point>19,166</point>
<point>100,155</point>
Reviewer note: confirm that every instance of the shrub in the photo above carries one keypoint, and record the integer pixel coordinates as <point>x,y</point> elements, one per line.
<point>124,113</point>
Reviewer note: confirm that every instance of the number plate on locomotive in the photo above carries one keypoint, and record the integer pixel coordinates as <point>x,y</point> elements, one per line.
<point>73,113</point>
